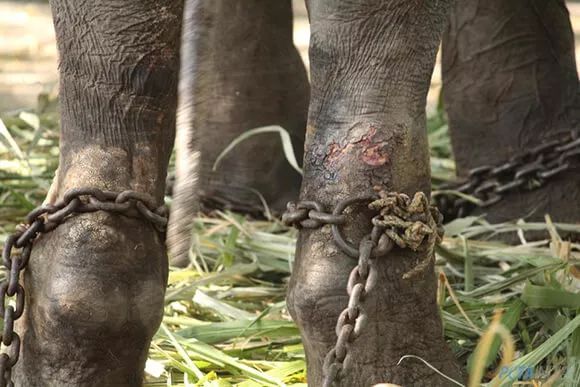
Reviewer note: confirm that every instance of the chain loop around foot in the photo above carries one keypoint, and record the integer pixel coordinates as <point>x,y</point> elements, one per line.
<point>41,220</point>
<point>400,221</point>
<point>527,171</point>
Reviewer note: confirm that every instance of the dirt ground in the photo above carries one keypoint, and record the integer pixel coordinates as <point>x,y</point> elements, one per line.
<point>28,57</point>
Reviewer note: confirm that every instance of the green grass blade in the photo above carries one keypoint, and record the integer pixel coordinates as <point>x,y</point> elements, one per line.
<point>509,282</point>
<point>533,358</point>
<point>513,312</point>
<point>10,140</point>
<point>546,297</point>
<point>573,372</point>
<point>284,136</point>
<point>191,367</point>
<point>223,331</point>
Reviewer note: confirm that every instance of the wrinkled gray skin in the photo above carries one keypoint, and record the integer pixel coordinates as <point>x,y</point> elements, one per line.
<point>509,82</point>
<point>95,286</point>
<point>371,63</point>
<point>235,75</point>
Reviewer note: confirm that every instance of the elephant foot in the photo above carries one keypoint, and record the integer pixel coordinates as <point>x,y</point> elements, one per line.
<point>255,173</point>
<point>527,187</point>
<point>95,284</point>
<point>232,80</point>
<point>397,312</point>
<point>558,198</point>
<point>495,112</point>
<point>95,288</point>
<point>366,128</point>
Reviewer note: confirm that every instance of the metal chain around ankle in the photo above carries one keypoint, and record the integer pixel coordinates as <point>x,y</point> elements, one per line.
<point>401,221</point>
<point>42,220</point>
<point>526,171</point>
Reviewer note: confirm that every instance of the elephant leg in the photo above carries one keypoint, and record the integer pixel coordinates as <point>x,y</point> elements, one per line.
<point>371,63</point>
<point>240,70</point>
<point>95,285</point>
<point>510,81</point>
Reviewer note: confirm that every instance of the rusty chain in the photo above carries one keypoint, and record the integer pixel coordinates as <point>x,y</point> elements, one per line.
<point>401,221</point>
<point>527,171</point>
<point>42,220</point>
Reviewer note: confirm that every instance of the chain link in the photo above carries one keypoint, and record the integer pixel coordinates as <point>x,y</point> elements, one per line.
<point>43,219</point>
<point>527,171</point>
<point>401,221</point>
